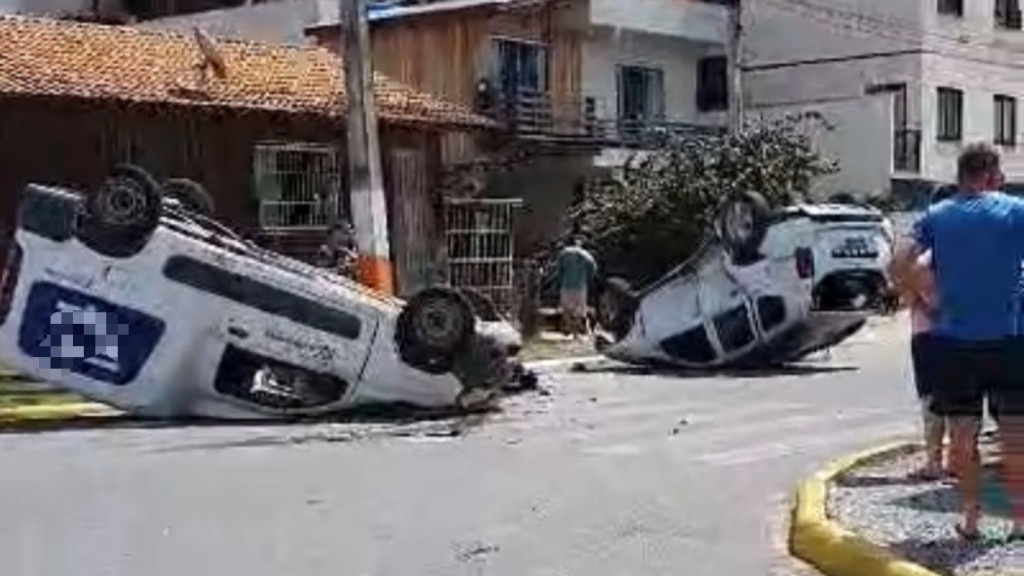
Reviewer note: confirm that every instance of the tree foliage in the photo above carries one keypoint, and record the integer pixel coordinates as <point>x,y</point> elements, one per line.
<point>650,217</point>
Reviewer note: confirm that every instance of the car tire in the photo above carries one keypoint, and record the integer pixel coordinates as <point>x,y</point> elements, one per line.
<point>483,307</point>
<point>616,307</point>
<point>434,327</point>
<point>742,224</point>
<point>191,194</point>
<point>121,215</point>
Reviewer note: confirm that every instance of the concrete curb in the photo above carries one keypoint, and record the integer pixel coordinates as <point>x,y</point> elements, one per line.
<point>829,547</point>
<point>53,412</point>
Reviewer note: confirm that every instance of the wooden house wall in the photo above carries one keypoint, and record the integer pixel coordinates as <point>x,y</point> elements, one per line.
<point>75,145</point>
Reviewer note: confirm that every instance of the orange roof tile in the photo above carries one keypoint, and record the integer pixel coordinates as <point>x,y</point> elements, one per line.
<point>44,57</point>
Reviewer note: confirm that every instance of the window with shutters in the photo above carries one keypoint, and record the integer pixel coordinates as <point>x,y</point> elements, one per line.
<point>950,114</point>
<point>1005,133</point>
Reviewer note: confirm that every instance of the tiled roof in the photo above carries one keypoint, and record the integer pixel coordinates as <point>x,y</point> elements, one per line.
<point>42,57</point>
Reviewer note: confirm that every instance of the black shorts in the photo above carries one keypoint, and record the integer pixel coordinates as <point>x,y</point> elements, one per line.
<point>923,358</point>
<point>963,374</point>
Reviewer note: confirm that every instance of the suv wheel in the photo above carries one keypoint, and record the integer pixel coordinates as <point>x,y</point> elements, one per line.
<point>435,326</point>
<point>191,194</point>
<point>122,214</point>
<point>741,224</point>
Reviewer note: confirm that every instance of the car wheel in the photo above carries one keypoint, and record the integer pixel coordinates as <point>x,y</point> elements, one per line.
<point>435,326</point>
<point>122,214</point>
<point>483,307</point>
<point>742,224</point>
<point>616,307</point>
<point>191,194</point>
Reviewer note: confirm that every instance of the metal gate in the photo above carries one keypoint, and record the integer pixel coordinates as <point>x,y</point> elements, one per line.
<point>480,235</point>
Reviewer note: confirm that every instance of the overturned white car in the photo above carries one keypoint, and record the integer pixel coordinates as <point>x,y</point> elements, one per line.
<point>146,304</point>
<point>767,288</point>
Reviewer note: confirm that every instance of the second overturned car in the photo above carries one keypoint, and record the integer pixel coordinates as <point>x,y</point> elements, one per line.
<point>767,288</point>
<point>133,298</point>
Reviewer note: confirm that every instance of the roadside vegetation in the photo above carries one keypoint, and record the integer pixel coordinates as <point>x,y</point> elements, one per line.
<point>650,217</point>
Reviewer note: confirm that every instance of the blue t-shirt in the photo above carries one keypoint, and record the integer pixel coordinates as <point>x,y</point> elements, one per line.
<point>977,243</point>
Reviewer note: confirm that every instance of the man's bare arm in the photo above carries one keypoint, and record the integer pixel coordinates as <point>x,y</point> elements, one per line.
<point>901,265</point>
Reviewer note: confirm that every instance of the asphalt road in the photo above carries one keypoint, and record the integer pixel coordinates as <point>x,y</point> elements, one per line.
<point>613,473</point>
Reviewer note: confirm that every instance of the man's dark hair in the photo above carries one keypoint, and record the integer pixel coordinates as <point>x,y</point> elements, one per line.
<point>942,192</point>
<point>976,161</point>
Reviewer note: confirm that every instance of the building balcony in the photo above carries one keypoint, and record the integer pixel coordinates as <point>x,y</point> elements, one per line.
<point>583,121</point>
<point>906,148</point>
<point>705,21</point>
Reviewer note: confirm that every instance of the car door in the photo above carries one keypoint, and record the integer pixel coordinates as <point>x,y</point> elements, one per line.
<point>727,313</point>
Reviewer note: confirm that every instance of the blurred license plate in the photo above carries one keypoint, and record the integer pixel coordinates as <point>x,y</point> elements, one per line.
<point>855,247</point>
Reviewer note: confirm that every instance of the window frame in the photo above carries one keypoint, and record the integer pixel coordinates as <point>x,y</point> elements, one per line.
<point>951,8</point>
<point>709,99</point>
<point>648,72</point>
<point>949,123</point>
<point>1001,104</point>
<point>270,169</point>
<point>522,48</point>
<point>1007,14</point>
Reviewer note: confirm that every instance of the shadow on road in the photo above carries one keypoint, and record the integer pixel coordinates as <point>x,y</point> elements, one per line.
<point>671,371</point>
<point>396,416</point>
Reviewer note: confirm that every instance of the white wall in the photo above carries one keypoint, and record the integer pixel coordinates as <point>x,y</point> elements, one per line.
<point>281,21</point>
<point>605,50</point>
<point>980,82</point>
<point>784,34</point>
<point>52,7</point>
<point>857,136</point>
<point>687,19</point>
<point>969,53</point>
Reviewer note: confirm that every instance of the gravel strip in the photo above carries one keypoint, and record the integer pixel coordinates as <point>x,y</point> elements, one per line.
<point>916,520</point>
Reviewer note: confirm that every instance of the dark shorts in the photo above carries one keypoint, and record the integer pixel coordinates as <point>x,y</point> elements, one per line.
<point>963,374</point>
<point>924,360</point>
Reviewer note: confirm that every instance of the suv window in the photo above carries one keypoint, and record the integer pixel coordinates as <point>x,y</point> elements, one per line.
<point>734,329</point>
<point>690,346</point>
<point>772,312</point>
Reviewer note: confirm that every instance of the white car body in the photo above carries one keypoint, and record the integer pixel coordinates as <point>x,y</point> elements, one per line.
<point>177,328</point>
<point>714,312</point>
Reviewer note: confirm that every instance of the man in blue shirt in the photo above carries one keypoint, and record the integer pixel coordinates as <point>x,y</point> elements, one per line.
<point>977,242</point>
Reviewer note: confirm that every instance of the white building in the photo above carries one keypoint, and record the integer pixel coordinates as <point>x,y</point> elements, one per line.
<point>57,7</point>
<point>649,59</point>
<point>905,84</point>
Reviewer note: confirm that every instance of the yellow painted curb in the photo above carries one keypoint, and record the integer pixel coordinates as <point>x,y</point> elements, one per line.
<point>829,547</point>
<point>48,412</point>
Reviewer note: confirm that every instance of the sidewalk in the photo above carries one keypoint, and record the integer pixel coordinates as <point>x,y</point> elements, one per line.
<point>915,519</point>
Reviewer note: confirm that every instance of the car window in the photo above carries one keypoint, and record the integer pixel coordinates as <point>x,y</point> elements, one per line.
<point>690,346</point>
<point>772,312</point>
<point>734,329</point>
<point>261,296</point>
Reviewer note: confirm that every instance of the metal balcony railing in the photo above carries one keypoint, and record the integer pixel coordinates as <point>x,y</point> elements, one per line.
<point>585,120</point>
<point>906,147</point>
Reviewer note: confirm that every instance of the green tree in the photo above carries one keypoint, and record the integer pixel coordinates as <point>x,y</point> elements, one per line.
<point>653,215</point>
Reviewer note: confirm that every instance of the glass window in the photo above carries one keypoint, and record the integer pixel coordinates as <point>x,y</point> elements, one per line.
<point>950,116</point>
<point>1005,133</point>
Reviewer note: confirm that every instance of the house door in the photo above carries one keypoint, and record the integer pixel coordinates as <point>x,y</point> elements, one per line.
<point>413,221</point>
<point>480,235</point>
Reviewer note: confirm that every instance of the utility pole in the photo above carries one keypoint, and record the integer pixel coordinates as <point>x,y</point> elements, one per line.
<point>734,55</point>
<point>366,187</point>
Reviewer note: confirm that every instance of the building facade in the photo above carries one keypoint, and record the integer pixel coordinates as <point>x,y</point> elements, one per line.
<point>588,82</point>
<point>903,85</point>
